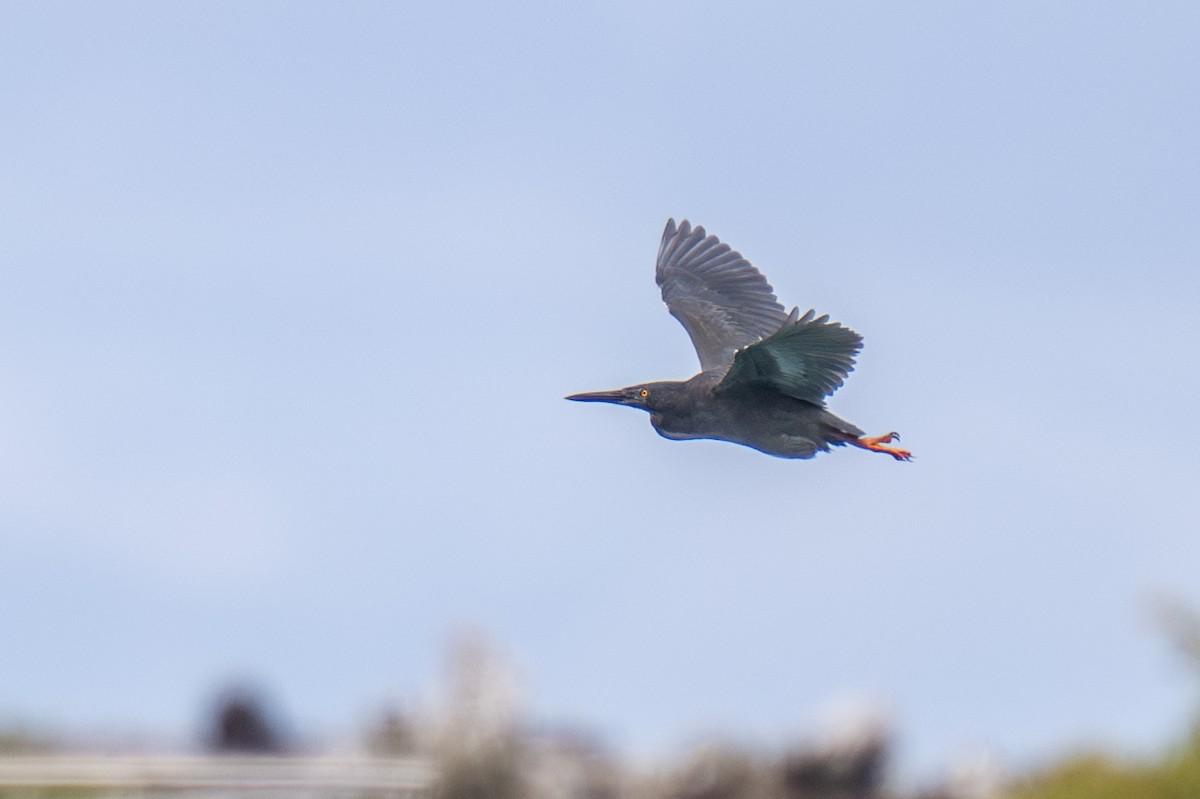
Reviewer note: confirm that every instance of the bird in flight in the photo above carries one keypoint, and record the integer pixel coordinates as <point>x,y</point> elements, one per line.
<point>764,373</point>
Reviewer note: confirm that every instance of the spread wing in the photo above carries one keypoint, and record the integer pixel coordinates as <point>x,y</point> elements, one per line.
<point>807,358</point>
<point>722,301</point>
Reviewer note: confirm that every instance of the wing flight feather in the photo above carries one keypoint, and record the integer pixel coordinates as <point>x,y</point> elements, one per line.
<point>722,301</point>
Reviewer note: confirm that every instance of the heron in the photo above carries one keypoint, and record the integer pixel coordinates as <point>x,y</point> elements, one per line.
<point>764,373</point>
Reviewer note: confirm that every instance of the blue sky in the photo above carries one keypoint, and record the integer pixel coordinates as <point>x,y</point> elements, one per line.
<point>291,293</point>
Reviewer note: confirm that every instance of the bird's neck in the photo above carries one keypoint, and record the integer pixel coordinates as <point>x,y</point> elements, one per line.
<point>682,407</point>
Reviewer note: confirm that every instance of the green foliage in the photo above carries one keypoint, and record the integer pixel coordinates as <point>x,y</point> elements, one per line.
<point>1175,776</point>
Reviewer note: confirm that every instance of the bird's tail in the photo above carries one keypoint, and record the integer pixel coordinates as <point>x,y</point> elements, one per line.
<point>840,431</point>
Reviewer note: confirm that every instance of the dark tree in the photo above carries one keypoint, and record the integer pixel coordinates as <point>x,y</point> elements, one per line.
<point>241,723</point>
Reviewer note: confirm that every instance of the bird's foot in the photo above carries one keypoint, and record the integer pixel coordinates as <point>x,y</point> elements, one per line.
<point>879,444</point>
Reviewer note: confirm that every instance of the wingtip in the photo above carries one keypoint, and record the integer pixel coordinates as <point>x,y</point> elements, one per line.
<point>683,231</point>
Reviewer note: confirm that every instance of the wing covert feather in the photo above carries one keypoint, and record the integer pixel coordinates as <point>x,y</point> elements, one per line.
<point>807,358</point>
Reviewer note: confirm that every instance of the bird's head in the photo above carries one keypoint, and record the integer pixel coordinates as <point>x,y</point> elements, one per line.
<point>663,395</point>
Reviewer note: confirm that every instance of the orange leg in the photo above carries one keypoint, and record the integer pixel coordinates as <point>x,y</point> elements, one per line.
<point>878,444</point>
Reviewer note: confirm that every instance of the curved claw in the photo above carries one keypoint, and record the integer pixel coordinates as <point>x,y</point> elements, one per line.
<point>879,444</point>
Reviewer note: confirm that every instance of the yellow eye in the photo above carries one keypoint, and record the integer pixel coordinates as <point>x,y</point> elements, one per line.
<point>645,392</point>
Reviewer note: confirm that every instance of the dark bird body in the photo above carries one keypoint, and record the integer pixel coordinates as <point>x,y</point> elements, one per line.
<point>765,373</point>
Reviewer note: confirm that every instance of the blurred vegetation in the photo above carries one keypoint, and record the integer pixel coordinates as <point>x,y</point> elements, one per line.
<point>391,735</point>
<point>480,747</point>
<point>478,751</point>
<point>53,792</point>
<point>243,721</point>
<point>1175,775</point>
<point>493,772</point>
<point>18,741</point>
<point>849,769</point>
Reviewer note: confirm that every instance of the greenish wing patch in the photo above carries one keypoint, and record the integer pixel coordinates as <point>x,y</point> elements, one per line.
<point>808,358</point>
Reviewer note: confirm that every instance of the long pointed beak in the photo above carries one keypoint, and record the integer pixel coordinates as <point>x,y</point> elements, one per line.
<point>618,397</point>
